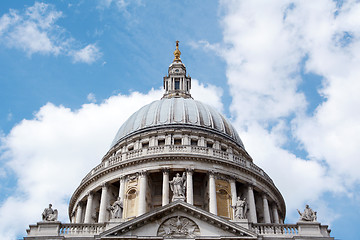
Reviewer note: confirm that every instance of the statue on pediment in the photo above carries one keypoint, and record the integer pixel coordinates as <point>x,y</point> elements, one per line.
<point>308,215</point>
<point>116,209</point>
<point>178,186</point>
<point>49,214</point>
<point>240,208</point>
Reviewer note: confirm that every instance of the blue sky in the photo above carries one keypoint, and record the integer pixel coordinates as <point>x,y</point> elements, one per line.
<point>285,73</point>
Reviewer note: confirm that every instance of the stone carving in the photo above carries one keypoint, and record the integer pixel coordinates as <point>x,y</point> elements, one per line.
<point>308,215</point>
<point>49,214</point>
<point>116,209</point>
<point>178,186</point>
<point>240,208</point>
<point>178,227</point>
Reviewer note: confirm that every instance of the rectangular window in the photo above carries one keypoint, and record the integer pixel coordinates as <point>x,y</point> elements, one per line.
<point>177,83</point>
<point>194,142</point>
<point>161,142</point>
<point>177,141</point>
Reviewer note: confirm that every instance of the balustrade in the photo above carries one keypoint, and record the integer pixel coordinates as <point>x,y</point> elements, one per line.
<point>133,154</point>
<point>239,159</point>
<point>87,229</point>
<point>288,230</point>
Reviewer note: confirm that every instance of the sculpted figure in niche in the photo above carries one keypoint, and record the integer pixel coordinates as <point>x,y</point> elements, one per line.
<point>308,214</point>
<point>116,209</point>
<point>49,214</point>
<point>240,208</point>
<point>178,185</point>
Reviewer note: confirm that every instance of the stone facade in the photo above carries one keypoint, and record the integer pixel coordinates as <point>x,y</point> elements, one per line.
<point>177,169</point>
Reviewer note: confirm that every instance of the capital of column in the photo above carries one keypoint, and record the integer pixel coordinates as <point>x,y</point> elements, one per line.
<point>90,194</point>
<point>122,178</point>
<point>80,204</point>
<point>250,186</point>
<point>265,196</point>
<point>104,185</point>
<point>212,173</point>
<point>190,171</point>
<point>143,173</point>
<point>165,170</point>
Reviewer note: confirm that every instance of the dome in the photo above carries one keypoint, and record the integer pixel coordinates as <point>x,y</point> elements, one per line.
<point>171,112</point>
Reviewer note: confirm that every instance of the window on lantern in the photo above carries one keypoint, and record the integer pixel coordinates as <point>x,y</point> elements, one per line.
<point>177,83</point>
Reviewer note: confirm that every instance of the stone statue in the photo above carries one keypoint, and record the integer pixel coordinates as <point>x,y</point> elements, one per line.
<point>178,185</point>
<point>49,214</point>
<point>240,208</point>
<point>308,214</point>
<point>116,209</point>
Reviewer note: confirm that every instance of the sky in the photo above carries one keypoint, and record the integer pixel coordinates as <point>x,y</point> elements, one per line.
<point>286,74</point>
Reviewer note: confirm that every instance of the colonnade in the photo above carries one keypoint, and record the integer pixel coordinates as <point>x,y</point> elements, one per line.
<point>142,192</point>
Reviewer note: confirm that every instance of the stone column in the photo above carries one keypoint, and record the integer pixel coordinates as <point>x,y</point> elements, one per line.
<point>88,210</point>
<point>266,209</point>
<point>73,217</point>
<point>103,203</point>
<point>79,213</point>
<point>212,194</point>
<point>189,186</point>
<point>142,193</point>
<point>233,193</point>
<point>275,214</point>
<point>165,187</point>
<point>252,207</point>
<point>122,188</point>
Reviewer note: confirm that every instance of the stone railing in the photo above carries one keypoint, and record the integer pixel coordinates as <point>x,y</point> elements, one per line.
<point>284,230</point>
<point>156,149</point>
<point>200,150</point>
<point>81,229</point>
<point>182,149</point>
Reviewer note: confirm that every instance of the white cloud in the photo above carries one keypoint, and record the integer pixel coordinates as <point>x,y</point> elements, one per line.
<point>264,45</point>
<point>88,54</point>
<point>201,92</point>
<point>123,6</point>
<point>51,153</point>
<point>35,31</point>
<point>91,98</point>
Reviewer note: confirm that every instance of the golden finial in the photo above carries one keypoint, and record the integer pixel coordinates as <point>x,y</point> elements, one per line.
<point>177,53</point>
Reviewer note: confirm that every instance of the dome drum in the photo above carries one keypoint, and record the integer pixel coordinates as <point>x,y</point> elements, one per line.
<point>131,175</point>
<point>177,150</point>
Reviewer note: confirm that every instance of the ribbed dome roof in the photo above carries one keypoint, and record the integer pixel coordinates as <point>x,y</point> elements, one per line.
<point>177,111</point>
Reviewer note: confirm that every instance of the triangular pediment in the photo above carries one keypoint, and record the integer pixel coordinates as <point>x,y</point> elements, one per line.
<point>178,220</point>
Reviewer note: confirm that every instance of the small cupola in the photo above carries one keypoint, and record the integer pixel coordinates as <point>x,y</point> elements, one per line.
<point>176,83</point>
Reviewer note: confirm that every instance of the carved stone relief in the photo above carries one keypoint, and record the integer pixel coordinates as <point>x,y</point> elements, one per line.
<point>178,227</point>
